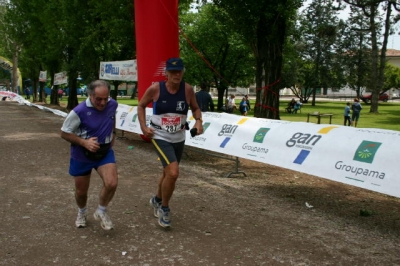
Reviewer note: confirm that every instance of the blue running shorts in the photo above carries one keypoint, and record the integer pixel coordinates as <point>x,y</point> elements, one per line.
<point>78,168</point>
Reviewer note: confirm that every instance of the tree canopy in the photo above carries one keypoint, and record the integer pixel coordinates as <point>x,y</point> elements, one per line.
<point>225,42</point>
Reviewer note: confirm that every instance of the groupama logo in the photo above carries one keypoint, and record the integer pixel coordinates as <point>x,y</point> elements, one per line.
<point>260,135</point>
<point>134,118</point>
<point>366,151</point>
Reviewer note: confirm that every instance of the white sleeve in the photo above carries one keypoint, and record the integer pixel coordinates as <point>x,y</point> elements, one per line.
<point>71,123</point>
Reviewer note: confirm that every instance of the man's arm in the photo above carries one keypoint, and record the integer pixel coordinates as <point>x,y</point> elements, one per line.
<point>90,144</point>
<point>68,129</point>
<point>196,112</point>
<point>147,98</point>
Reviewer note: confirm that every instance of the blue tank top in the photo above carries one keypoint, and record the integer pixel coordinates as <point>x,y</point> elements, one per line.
<point>170,114</point>
<point>171,103</point>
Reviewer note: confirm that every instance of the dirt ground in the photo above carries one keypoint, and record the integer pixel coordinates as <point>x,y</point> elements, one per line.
<point>258,219</point>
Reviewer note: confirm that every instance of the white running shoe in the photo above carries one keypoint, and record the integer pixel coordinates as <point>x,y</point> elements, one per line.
<point>81,220</point>
<point>104,219</point>
<point>156,205</point>
<point>164,217</point>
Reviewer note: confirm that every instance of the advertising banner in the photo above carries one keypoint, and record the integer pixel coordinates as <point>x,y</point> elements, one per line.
<point>43,76</point>
<point>362,157</point>
<point>60,78</point>
<point>119,70</point>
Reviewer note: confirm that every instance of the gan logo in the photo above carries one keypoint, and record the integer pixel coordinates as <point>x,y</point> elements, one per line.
<point>260,135</point>
<point>366,151</point>
<point>123,116</point>
<point>306,142</point>
<point>227,130</point>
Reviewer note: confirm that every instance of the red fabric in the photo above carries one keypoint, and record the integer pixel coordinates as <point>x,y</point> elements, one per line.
<point>157,39</point>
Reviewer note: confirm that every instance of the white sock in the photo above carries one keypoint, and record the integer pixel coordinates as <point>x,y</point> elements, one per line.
<point>102,208</point>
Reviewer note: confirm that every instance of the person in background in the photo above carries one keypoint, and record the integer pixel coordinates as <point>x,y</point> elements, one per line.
<point>356,108</point>
<point>230,104</point>
<point>290,106</point>
<point>60,94</point>
<point>248,102</point>
<point>171,100</point>
<point>296,106</point>
<point>347,118</point>
<point>90,128</point>
<point>243,106</point>
<point>27,93</point>
<point>204,99</point>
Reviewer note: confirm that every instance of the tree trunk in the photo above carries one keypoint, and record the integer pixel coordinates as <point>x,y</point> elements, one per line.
<point>271,34</point>
<point>374,60</point>
<point>54,98</point>
<point>72,97</point>
<point>15,75</point>
<point>42,95</point>
<point>221,97</point>
<point>114,93</point>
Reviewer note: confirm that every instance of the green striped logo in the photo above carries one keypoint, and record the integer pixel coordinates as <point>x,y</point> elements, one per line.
<point>366,151</point>
<point>260,134</point>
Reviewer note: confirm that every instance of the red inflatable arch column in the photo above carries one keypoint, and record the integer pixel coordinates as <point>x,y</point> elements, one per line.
<point>157,39</point>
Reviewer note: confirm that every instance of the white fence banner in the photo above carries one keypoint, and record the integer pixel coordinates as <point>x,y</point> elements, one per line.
<point>60,78</point>
<point>119,70</point>
<point>362,157</point>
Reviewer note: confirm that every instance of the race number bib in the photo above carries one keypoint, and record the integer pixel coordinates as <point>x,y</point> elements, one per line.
<point>171,124</point>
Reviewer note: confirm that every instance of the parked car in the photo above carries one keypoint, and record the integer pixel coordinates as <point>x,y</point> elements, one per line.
<point>382,97</point>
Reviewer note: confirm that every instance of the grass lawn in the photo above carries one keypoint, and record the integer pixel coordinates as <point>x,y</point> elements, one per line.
<point>388,117</point>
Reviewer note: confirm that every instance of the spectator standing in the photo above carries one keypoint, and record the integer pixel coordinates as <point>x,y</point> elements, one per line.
<point>243,106</point>
<point>60,94</point>
<point>356,108</point>
<point>27,93</point>
<point>347,118</point>
<point>89,127</point>
<point>204,99</point>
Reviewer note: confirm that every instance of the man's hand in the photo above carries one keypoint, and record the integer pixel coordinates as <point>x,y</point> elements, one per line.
<point>148,132</point>
<point>199,126</point>
<point>91,144</point>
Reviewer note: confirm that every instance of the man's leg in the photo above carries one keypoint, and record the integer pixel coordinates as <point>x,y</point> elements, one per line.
<point>165,190</point>
<point>81,189</point>
<point>108,173</point>
<point>167,183</point>
<point>170,155</point>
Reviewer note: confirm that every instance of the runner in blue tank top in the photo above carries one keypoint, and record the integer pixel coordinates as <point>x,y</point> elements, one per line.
<point>171,100</point>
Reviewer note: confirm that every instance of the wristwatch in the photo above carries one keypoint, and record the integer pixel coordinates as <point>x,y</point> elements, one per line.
<point>201,120</point>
